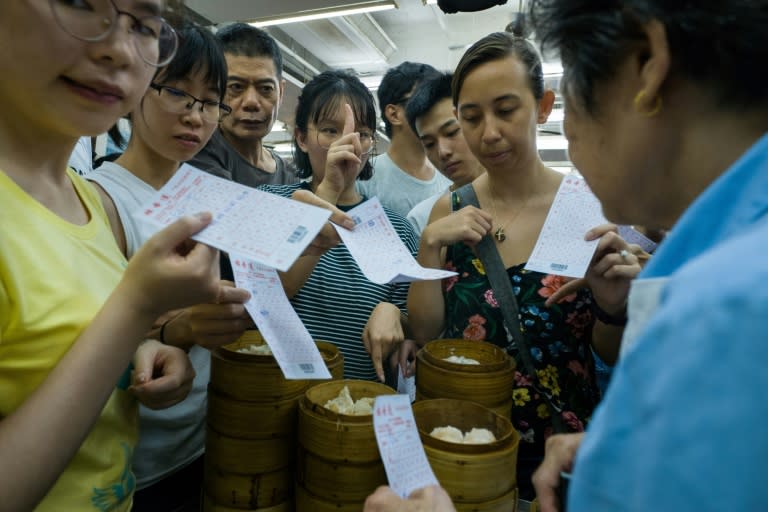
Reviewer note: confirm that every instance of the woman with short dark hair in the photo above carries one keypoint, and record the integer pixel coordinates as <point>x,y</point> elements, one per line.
<point>666,117</point>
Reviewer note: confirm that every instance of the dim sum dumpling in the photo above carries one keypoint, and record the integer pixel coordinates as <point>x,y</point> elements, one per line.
<point>449,434</point>
<point>260,350</point>
<point>344,404</point>
<point>479,436</point>
<point>363,407</point>
<point>461,360</point>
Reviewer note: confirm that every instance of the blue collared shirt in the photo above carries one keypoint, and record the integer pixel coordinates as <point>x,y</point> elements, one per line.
<point>683,425</point>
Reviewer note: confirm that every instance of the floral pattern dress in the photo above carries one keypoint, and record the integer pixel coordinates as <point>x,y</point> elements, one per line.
<point>559,338</point>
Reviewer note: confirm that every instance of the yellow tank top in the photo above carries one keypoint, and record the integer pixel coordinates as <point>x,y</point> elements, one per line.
<point>54,277</point>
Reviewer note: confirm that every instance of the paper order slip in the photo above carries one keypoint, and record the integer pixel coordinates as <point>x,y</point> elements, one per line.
<point>561,248</point>
<point>378,250</point>
<point>290,342</point>
<point>400,446</point>
<point>266,228</point>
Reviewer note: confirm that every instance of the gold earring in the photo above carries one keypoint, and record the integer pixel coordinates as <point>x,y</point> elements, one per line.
<point>656,108</point>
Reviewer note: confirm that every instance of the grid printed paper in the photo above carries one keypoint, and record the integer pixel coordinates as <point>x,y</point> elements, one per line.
<point>290,342</point>
<point>379,251</point>
<point>561,248</point>
<point>264,227</point>
<point>400,446</point>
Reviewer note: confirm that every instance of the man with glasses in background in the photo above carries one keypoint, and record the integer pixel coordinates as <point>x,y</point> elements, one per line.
<point>402,176</point>
<point>255,89</point>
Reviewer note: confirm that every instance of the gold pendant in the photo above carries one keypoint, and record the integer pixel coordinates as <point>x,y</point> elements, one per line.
<point>499,234</point>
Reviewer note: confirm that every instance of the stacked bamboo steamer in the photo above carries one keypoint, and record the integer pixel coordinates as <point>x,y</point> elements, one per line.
<point>489,383</point>
<point>339,463</point>
<point>478,477</point>
<point>252,423</point>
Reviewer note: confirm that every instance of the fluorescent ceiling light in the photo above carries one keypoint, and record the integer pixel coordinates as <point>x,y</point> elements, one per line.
<point>430,2</point>
<point>331,12</point>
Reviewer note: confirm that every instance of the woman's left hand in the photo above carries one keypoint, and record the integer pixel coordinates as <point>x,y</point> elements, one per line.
<point>382,334</point>
<point>162,375</point>
<point>613,267</point>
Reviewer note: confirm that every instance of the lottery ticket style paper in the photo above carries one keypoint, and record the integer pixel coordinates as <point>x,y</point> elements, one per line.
<point>561,248</point>
<point>264,227</point>
<point>633,236</point>
<point>290,342</point>
<point>379,251</point>
<point>400,446</point>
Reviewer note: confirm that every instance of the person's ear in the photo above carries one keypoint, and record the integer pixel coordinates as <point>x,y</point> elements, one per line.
<point>546,103</point>
<point>653,61</point>
<point>395,116</point>
<point>301,139</point>
<point>280,91</point>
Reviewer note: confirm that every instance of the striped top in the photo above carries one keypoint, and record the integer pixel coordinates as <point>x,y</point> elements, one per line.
<point>337,299</point>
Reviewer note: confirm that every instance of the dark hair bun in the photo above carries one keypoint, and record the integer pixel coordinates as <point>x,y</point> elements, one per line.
<point>519,27</point>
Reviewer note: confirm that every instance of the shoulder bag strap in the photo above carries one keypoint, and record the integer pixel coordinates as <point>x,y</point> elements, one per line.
<point>502,290</point>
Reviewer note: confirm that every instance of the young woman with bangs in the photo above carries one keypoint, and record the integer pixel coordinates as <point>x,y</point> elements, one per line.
<point>174,120</point>
<point>333,141</point>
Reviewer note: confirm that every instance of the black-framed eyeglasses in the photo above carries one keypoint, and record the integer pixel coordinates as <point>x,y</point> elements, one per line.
<point>177,101</point>
<point>327,136</point>
<point>94,20</point>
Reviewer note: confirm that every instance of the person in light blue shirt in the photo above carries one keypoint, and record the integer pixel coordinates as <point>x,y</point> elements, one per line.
<point>669,126</point>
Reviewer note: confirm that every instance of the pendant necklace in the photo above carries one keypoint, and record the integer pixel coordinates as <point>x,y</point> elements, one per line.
<point>499,234</point>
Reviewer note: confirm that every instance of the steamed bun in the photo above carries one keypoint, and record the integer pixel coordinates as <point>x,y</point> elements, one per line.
<point>449,434</point>
<point>479,436</point>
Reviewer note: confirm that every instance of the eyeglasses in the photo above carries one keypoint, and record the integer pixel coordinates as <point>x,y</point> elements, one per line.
<point>327,136</point>
<point>177,101</point>
<point>95,20</point>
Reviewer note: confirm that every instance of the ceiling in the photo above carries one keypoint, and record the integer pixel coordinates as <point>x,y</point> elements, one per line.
<point>366,44</point>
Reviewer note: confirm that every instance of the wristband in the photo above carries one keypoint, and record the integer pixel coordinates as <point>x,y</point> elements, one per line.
<point>619,319</point>
<point>162,332</point>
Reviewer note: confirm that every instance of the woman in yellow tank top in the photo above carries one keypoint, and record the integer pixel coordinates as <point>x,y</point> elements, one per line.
<point>72,314</point>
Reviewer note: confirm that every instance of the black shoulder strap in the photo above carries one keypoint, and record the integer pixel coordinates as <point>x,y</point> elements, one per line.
<point>502,290</point>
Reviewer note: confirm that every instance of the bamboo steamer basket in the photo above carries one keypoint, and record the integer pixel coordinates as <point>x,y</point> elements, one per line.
<point>339,459</point>
<point>209,505</point>
<point>258,378</point>
<point>472,474</point>
<point>248,456</point>
<point>249,491</point>
<point>506,503</point>
<point>489,383</point>
<point>321,477</point>
<point>252,420</point>
<point>309,502</point>
<point>252,427</point>
<point>339,437</point>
